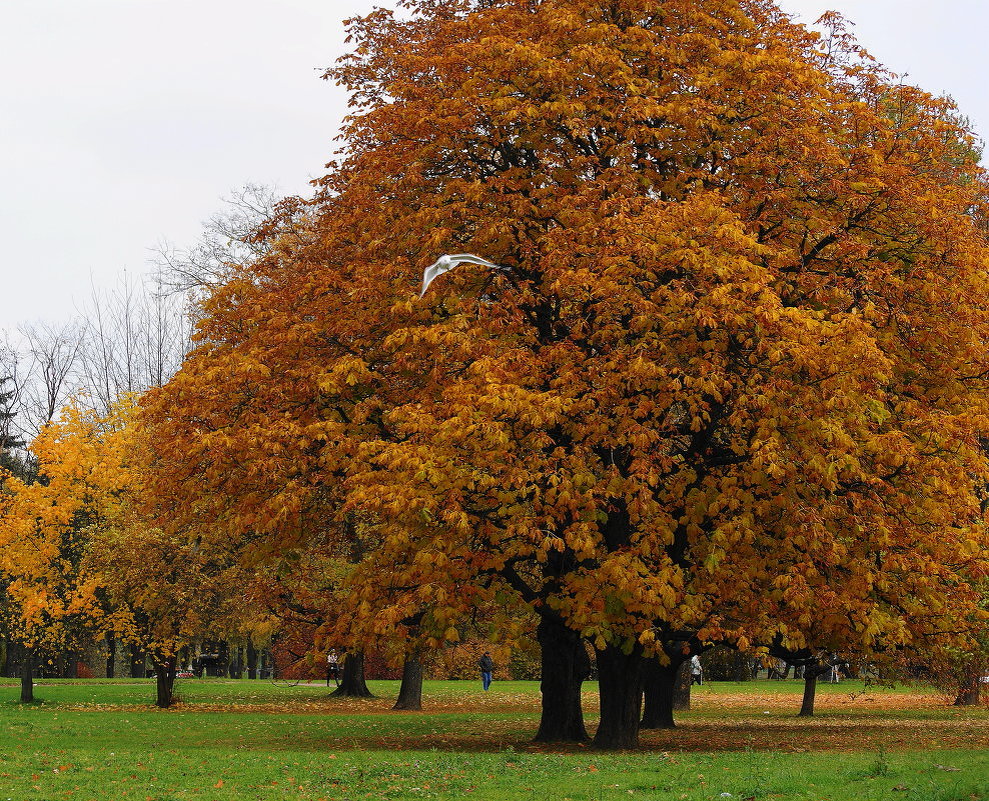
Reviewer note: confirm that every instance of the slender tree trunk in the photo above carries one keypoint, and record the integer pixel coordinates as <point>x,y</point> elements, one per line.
<point>410,691</point>
<point>164,681</point>
<point>660,684</point>
<point>620,682</point>
<point>252,660</point>
<point>810,691</point>
<point>564,667</point>
<point>111,649</point>
<point>27,677</point>
<point>352,684</point>
<point>137,662</point>
<point>70,666</point>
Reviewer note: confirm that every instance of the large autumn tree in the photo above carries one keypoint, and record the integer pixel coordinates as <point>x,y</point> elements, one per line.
<point>729,384</point>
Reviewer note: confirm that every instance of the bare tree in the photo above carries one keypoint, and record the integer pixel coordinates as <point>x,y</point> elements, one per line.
<point>134,336</point>
<point>137,335</point>
<point>166,331</point>
<point>231,238</point>
<point>11,387</point>
<point>53,358</point>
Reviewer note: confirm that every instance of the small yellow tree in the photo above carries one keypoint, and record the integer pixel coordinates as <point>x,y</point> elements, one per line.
<point>45,522</point>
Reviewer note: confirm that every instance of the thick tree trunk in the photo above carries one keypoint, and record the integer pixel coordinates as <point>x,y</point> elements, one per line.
<point>252,660</point>
<point>564,667</point>
<point>352,685</point>
<point>620,682</point>
<point>681,692</point>
<point>660,685</point>
<point>971,695</point>
<point>27,677</point>
<point>164,681</point>
<point>410,691</point>
<point>138,670</point>
<point>111,654</point>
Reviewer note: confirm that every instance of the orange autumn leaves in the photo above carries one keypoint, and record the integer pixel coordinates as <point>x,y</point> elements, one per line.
<point>731,386</point>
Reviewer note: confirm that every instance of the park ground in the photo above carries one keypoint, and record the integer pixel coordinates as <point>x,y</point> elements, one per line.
<point>102,739</point>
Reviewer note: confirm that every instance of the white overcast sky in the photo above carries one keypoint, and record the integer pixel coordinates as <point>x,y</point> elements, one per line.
<point>123,122</point>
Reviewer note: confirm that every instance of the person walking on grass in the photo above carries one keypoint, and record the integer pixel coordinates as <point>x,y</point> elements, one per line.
<point>487,668</point>
<point>332,668</point>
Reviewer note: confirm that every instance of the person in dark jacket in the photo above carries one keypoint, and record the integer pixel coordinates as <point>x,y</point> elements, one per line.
<point>487,668</point>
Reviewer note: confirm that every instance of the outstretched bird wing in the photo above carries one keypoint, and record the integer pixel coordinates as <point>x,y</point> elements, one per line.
<point>447,262</point>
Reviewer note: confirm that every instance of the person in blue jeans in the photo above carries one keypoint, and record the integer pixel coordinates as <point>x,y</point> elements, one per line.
<point>487,668</point>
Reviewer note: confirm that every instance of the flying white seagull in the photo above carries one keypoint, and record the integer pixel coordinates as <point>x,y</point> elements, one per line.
<point>446,263</point>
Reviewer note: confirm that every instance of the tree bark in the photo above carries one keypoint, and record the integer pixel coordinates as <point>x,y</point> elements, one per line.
<point>564,667</point>
<point>410,691</point>
<point>970,695</point>
<point>70,665</point>
<point>164,681</point>
<point>811,673</point>
<point>236,667</point>
<point>138,670</point>
<point>27,677</point>
<point>742,668</point>
<point>252,660</point>
<point>681,691</point>
<point>111,649</point>
<point>620,682</point>
<point>352,684</point>
<point>660,685</point>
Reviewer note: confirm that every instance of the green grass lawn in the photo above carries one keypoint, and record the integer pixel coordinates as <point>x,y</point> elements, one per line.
<point>251,740</point>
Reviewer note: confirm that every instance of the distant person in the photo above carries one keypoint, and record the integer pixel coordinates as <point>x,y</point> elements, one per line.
<point>696,671</point>
<point>834,677</point>
<point>332,667</point>
<point>487,668</point>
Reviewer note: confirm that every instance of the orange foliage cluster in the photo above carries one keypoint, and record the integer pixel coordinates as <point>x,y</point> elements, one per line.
<point>730,384</point>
